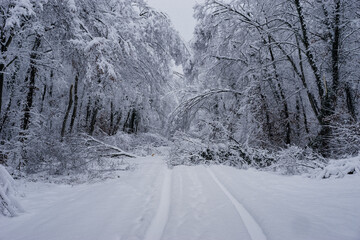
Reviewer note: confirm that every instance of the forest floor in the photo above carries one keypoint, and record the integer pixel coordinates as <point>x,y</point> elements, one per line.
<point>153,202</point>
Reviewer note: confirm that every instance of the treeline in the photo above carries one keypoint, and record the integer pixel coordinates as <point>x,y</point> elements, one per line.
<point>80,66</point>
<point>276,74</point>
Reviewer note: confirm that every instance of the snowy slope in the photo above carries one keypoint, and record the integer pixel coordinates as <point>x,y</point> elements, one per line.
<point>187,203</point>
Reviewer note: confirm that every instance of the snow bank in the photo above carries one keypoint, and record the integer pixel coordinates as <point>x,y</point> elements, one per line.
<point>9,206</point>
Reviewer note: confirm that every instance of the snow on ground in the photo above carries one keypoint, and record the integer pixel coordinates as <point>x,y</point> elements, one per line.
<point>185,203</point>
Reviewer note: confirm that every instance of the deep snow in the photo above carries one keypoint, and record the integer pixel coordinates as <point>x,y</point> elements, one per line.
<point>209,203</point>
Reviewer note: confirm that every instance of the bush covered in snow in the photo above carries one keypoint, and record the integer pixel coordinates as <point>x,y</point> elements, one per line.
<point>9,206</point>
<point>296,160</point>
<point>338,168</point>
<point>79,153</point>
<point>72,154</point>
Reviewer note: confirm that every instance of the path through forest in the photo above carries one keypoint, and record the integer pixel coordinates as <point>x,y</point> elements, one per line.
<point>210,203</point>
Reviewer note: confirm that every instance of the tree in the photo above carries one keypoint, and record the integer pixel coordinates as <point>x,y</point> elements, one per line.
<point>289,62</point>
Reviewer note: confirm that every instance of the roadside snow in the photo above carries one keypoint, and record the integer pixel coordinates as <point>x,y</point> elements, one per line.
<point>153,202</point>
<point>297,207</point>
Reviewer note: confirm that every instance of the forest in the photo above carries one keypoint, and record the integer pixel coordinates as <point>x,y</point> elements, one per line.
<point>112,126</point>
<point>267,84</point>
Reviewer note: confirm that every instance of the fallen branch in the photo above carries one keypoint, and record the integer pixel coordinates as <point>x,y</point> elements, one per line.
<point>119,151</point>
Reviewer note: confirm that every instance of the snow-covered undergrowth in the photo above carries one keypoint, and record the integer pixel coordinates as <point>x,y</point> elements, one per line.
<point>187,150</point>
<point>9,206</point>
<point>78,158</point>
<point>295,161</point>
<point>338,168</point>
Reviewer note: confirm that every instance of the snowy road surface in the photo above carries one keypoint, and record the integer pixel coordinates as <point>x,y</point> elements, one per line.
<point>185,203</point>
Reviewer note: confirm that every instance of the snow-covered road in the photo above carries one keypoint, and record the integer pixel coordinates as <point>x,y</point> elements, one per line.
<point>185,203</point>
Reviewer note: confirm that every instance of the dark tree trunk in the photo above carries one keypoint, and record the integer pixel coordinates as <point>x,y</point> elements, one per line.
<point>2,66</point>
<point>12,92</point>
<point>126,122</point>
<point>335,49</point>
<point>43,98</point>
<point>282,98</point>
<point>117,123</point>
<point>93,120</point>
<point>131,123</point>
<point>268,123</point>
<point>67,112</point>
<point>76,99</point>
<point>5,43</point>
<point>88,113</point>
<point>330,98</point>
<point>111,128</point>
<point>30,78</point>
<point>308,53</point>
<point>350,102</point>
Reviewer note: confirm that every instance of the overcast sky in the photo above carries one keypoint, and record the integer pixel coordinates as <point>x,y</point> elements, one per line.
<point>180,13</point>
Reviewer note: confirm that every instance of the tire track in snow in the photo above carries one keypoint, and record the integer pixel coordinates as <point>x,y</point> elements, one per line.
<point>158,223</point>
<point>253,228</point>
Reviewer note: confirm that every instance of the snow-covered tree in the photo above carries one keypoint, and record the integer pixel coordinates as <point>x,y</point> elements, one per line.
<point>293,61</point>
<point>81,66</point>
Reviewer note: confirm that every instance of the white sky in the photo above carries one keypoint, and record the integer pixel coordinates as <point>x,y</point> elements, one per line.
<point>180,13</point>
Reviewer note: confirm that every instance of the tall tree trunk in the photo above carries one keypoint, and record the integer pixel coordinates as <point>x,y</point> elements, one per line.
<point>117,123</point>
<point>12,93</point>
<point>88,113</point>
<point>2,66</point>
<point>5,43</point>
<point>93,119</point>
<point>308,52</point>
<point>330,98</point>
<point>350,102</point>
<point>111,118</point>
<point>30,78</point>
<point>335,49</point>
<point>282,95</point>
<point>43,98</point>
<point>67,112</point>
<point>76,99</point>
<point>51,101</point>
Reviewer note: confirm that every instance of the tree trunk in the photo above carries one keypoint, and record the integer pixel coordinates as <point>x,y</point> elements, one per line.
<point>2,66</point>
<point>111,118</point>
<point>5,43</point>
<point>67,112</point>
<point>330,99</point>
<point>31,86</point>
<point>283,99</point>
<point>350,102</point>
<point>93,119</point>
<point>76,99</point>
<point>43,98</point>
<point>88,113</point>
<point>117,123</point>
<point>335,49</point>
<point>308,53</point>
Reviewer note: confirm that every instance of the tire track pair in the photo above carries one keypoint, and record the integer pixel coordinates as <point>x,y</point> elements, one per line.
<point>158,223</point>
<point>253,228</point>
